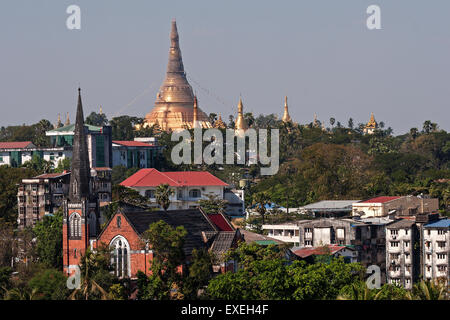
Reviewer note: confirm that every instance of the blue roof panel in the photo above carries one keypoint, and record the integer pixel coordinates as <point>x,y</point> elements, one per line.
<point>443,223</point>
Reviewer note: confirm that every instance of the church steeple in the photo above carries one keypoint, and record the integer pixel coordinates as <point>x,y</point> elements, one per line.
<point>286,116</point>
<point>80,171</point>
<point>241,124</point>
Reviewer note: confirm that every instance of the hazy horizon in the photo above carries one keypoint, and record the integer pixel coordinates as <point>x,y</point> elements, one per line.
<point>318,53</point>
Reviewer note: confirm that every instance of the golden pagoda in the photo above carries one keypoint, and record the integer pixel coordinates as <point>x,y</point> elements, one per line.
<point>371,126</point>
<point>174,105</point>
<point>316,122</point>
<point>58,124</point>
<point>219,124</point>
<point>286,116</point>
<point>240,124</point>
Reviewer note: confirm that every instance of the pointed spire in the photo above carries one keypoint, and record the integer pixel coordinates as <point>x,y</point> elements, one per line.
<point>286,116</point>
<point>58,123</point>
<point>101,110</point>
<point>67,120</point>
<point>195,123</point>
<point>80,173</point>
<point>241,124</point>
<point>219,123</point>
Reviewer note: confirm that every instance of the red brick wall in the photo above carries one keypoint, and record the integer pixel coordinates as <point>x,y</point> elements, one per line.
<point>70,246</point>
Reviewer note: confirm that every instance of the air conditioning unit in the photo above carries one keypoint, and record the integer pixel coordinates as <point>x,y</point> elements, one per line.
<point>394,237</point>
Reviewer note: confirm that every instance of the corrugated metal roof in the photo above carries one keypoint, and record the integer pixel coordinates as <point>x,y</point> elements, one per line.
<point>327,205</point>
<point>443,223</point>
<point>381,199</point>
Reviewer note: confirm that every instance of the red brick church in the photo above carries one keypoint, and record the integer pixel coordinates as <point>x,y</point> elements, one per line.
<point>123,232</point>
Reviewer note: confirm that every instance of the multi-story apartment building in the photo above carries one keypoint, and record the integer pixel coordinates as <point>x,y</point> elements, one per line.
<point>436,250</point>
<point>366,236</point>
<point>135,154</point>
<point>44,194</point>
<point>402,258</point>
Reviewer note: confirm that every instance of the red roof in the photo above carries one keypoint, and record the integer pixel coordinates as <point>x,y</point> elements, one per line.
<point>380,199</point>
<point>16,145</point>
<point>220,221</point>
<point>132,143</point>
<point>154,178</point>
<point>306,252</point>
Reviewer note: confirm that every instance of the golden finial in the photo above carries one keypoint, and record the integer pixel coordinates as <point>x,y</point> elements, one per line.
<point>101,110</point>
<point>219,124</point>
<point>195,123</point>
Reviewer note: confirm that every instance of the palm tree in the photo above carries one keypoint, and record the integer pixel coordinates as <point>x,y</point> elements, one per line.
<point>162,195</point>
<point>88,287</point>
<point>430,290</point>
<point>20,294</point>
<point>332,121</point>
<point>260,200</point>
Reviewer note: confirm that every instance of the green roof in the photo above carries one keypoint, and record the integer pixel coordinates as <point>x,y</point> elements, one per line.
<point>265,242</point>
<point>71,128</point>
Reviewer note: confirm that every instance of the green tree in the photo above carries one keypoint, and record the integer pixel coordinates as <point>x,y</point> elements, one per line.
<point>162,195</point>
<point>49,238</point>
<point>97,119</point>
<point>49,284</point>
<point>260,201</point>
<point>213,204</point>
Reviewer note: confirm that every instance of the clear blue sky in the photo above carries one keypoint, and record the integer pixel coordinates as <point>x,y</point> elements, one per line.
<point>319,53</point>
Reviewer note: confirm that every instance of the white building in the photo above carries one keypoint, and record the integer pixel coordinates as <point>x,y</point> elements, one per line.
<point>436,244</point>
<point>188,186</point>
<point>286,232</point>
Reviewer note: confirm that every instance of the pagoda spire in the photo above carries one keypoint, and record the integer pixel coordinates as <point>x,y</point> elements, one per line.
<point>241,124</point>
<point>195,122</point>
<point>80,169</point>
<point>286,116</point>
<point>67,120</point>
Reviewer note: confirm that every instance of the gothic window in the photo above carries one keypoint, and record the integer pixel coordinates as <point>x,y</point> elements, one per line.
<point>119,222</point>
<point>92,224</point>
<point>195,193</point>
<point>120,256</point>
<point>75,225</point>
<point>75,190</point>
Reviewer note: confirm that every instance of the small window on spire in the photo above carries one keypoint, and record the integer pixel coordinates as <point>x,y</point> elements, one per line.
<point>119,222</point>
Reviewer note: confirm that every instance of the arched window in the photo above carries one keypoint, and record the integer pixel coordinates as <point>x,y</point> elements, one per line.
<point>92,224</point>
<point>195,193</point>
<point>75,225</point>
<point>120,256</point>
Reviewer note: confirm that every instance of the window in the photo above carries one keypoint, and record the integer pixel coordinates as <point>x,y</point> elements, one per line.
<point>195,193</point>
<point>119,222</point>
<point>394,244</point>
<point>406,244</point>
<point>406,231</point>
<point>75,252</point>
<point>340,233</point>
<point>75,225</point>
<point>442,268</point>
<point>394,232</point>
<point>308,243</point>
<point>150,194</point>
<point>34,187</point>
<point>428,232</point>
<point>442,231</point>
<point>428,256</point>
<point>441,244</point>
<point>92,224</point>
<point>308,230</point>
<point>35,210</point>
<point>441,256</point>
<point>120,256</point>
<point>22,210</point>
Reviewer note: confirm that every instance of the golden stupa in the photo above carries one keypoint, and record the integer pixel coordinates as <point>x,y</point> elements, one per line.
<point>371,126</point>
<point>219,124</point>
<point>286,116</point>
<point>240,124</point>
<point>174,105</point>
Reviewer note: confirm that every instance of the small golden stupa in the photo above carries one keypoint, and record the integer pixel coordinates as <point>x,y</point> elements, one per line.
<point>219,124</point>
<point>371,126</point>
<point>240,124</point>
<point>174,105</point>
<point>286,116</point>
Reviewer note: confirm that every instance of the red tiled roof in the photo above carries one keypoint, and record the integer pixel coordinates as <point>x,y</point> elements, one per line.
<point>306,252</point>
<point>15,145</point>
<point>380,199</point>
<point>154,178</point>
<point>220,221</point>
<point>132,143</point>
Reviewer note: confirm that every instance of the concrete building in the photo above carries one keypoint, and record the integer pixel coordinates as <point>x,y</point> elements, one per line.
<point>402,260</point>
<point>98,139</point>
<point>329,208</point>
<point>44,194</point>
<point>436,244</point>
<point>188,186</point>
<point>394,206</point>
<point>135,154</point>
<point>286,232</point>
<point>309,254</point>
<point>236,202</point>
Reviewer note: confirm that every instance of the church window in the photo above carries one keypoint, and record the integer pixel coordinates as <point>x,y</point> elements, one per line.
<point>119,222</point>
<point>75,225</point>
<point>120,257</point>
